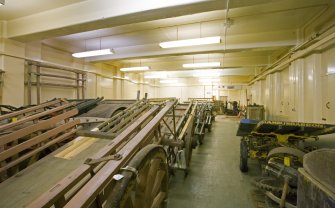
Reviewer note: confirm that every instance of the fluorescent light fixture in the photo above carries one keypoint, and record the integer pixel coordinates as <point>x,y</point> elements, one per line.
<point>168,81</point>
<point>209,80</point>
<point>197,65</point>
<point>138,68</point>
<point>2,2</point>
<point>190,42</point>
<point>93,53</point>
<point>155,76</point>
<point>331,70</point>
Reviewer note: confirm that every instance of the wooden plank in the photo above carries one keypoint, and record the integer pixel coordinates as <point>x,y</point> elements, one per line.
<point>38,85</point>
<point>20,147</point>
<point>35,108</point>
<point>37,127</point>
<point>56,76</point>
<point>29,84</point>
<point>78,87</point>
<point>79,145</point>
<point>37,150</point>
<point>107,124</point>
<point>83,84</point>
<point>54,84</point>
<point>29,184</point>
<point>127,119</point>
<point>50,65</point>
<point>35,116</point>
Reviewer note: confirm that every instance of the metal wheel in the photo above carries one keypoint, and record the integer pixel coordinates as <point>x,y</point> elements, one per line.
<point>278,200</point>
<point>286,151</point>
<point>269,184</point>
<point>243,156</point>
<point>145,181</point>
<point>273,188</point>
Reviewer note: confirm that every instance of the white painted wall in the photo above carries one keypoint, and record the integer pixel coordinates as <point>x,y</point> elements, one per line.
<point>201,91</point>
<point>13,79</point>
<point>328,86</point>
<point>302,92</point>
<point>99,77</point>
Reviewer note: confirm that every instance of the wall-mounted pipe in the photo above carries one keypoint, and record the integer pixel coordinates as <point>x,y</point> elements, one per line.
<point>315,43</point>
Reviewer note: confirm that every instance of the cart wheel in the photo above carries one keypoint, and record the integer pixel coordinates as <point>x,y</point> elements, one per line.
<point>277,200</point>
<point>147,188</point>
<point>243,156</point>
<point>286,151</point>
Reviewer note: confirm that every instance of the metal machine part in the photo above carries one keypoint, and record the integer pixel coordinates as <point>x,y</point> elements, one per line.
<point>280,146</point>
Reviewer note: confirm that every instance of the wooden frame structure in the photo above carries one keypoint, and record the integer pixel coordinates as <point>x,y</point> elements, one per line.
<point>133,146</point>
<point>35,73</point>
<point>26,133</point>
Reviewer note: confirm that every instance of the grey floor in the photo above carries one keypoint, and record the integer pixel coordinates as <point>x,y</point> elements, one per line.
<point>215,180</point>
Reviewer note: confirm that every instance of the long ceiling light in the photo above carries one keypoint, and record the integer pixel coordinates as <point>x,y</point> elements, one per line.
<point>190,42</point>
<point>93,53</point>
<point>138,68</point>
<point>197,65</point>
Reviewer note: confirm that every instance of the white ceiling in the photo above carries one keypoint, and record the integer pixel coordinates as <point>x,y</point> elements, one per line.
<point>260,32</point>
<point>19,8</point>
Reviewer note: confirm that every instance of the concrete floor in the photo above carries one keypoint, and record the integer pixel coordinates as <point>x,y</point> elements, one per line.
<point>215,180</point>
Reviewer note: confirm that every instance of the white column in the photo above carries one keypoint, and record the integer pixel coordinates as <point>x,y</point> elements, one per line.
<point>12,62</point>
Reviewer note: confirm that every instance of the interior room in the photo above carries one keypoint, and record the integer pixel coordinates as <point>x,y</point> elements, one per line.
<point>170,103</point>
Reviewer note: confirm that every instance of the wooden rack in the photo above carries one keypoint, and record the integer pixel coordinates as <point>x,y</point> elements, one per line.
<point>36,71</point>
<point>28,132</point>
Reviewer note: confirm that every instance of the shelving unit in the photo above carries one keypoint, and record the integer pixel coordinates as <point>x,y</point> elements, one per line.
<point>36,70</point>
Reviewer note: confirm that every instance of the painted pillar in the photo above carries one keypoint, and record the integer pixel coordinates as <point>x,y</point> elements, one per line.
<point>13,64</point>
<point>312,88</point>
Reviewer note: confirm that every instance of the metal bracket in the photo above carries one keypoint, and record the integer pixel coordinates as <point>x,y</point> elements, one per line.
<point>90,161</point>
<point>130,169</point>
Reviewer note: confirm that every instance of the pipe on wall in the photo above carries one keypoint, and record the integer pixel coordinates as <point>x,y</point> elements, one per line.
<point>306,48</point>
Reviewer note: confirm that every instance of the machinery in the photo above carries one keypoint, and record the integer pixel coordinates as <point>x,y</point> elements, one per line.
<point>122,161</point>
<point>280,146</point>
<point>316,180</point>
<point>255,112</point>
<point>231,108</point>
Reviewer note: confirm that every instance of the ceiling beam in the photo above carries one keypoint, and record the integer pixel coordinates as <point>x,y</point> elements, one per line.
<point>96,14</point>
<point>133,52</point>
